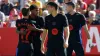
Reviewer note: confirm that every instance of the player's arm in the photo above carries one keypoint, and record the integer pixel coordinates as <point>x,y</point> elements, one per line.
<point>21,32</point>
<point>88,35</point>
<point>66,31</point>
<point>37,29</point>
<point>18,28</point>
<point>41,24</point>
<point>44,34</point>
<point>83,23</point>
<point>86,30</point>
<point>33,28</point>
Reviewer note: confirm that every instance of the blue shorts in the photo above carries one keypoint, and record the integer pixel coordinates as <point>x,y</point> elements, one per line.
<point>24,50</point>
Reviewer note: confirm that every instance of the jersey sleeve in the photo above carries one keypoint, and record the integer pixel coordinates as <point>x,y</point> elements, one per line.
<point>17,25</point>
<point>65,21</point>
<point>46,23</point>
<point>82,20</point>
<point>41,22</point>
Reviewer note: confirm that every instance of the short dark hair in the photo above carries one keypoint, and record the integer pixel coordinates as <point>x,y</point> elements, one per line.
<point>32,7</point>
<point>71,4</point>
<point>25,11</point>
<point>53,4</point>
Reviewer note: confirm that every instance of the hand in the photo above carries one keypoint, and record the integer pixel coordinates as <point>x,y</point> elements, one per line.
<point>43,49</point>
<point>31,27</point>
<point>90,43</point>
<point>40,30</point>
<point>23,32</point>
<point>65,45</point>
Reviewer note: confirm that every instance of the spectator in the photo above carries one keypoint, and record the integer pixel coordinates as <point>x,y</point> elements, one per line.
<point>61,11</point>
<point>45,13</point>
<point>27,5</point>
<point>44,4</point>
<point>43,1</point>
<point>83,6</point>
<point>91,7</point>
<point>64,5</point>
<point>24,2</point>
<point>13,17</point>
<point>52,0</point>
<point>13,1</point>
<point>98,4</point>
<point>74,1</point>
<point>0,2</point>
<point>56,1</point>
<point>78,8</point>
<point>6,7</point>
<point>88,2</point>
<point>2,19</point>
<point>6,23</point>
<point>96,22</point>
<point>60,1</point>
<point>91,14</point>
<point>17,5</point>
<point>37,3</point>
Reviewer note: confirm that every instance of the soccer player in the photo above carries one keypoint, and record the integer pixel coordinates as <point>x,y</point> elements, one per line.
<point>76,22</point>
<point>38,4</point>
<point>39,23</point>
<point>55,25</point>
<point>24,44</point>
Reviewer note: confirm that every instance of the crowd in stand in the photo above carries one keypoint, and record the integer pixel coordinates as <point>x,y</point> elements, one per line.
<point>11,11</point>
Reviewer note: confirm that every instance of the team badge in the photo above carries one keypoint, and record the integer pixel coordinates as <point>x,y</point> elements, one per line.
<point>54,31</point>
<point>71,27</point>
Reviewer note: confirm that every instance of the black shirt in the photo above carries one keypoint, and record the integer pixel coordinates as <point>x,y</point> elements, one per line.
<point>76,22</point>
<point>39,23</point>
<point>55,26</point>
<point>22,25</point>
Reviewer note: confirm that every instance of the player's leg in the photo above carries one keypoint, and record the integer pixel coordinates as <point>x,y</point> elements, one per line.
<point>50,52</point>
<point>69,50</point>
<point>23,50</point>
<point>60,51</point>
<point>20,52</point>
<point>16,51</point>
<point>28,50</point>
<point>37,49</point>
<point>78,48</point>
